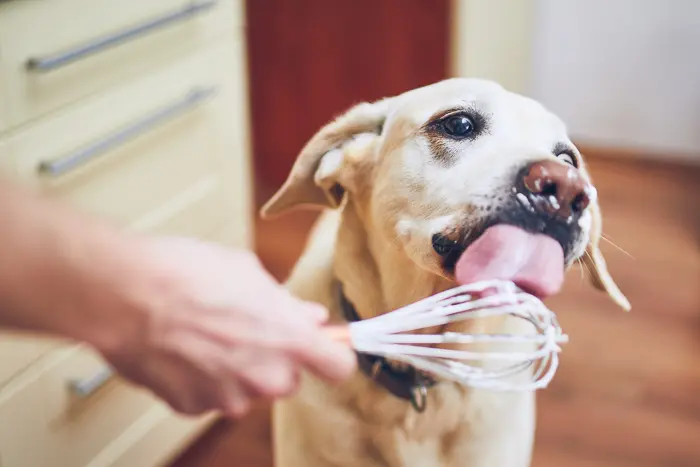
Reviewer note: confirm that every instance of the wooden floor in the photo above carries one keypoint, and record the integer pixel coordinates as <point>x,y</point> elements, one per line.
<point>628,390</point>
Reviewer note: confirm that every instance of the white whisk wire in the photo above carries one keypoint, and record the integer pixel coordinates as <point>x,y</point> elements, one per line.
<point>525,370</point>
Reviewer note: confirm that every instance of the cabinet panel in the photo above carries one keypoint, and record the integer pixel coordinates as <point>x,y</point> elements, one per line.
<point>86,46</point>
<point>66,410</point>
<point>163,154</point>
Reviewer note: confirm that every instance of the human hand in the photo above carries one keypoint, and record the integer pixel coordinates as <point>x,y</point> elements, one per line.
<point>219,332</point>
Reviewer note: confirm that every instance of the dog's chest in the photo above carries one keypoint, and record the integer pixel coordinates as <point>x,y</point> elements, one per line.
<point>472,433</point>
<point>428,452</point>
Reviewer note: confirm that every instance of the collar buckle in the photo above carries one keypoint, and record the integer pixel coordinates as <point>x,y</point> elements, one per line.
<point>419,396</point>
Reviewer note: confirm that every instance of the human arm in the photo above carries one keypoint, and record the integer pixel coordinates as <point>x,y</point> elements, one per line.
<point>202,326</point>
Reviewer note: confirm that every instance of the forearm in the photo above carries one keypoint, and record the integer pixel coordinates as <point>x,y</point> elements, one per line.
<point>54,265</point>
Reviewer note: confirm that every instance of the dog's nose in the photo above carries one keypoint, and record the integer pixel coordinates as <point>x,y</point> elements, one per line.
<point>556,189</point>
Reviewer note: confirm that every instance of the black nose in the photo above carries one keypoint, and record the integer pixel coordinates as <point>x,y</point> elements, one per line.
<point>555,189</point>
<point>443,245</point>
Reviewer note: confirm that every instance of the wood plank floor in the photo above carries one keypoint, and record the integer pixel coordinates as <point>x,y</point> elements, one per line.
<point>628,390</point>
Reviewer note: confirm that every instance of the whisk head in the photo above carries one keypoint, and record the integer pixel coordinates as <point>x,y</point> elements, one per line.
<point>481,361</point>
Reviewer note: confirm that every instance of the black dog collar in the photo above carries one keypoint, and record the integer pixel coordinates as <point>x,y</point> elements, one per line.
<point>409,384</point>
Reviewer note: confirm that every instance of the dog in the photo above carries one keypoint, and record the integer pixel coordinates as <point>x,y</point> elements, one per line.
<point>408,185</point>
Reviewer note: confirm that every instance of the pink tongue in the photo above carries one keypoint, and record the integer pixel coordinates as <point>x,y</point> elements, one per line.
<point>534,262</point>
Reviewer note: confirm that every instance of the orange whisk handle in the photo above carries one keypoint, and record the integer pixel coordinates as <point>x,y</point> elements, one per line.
<point>339,333</point>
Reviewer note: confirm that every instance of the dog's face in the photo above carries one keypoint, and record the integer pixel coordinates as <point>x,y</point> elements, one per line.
<point>430,170</point>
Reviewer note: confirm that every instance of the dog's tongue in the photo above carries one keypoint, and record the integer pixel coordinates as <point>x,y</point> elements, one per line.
<point>535,262</point>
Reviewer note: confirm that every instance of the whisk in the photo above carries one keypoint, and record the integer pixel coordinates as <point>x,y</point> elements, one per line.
<point>389,336</point>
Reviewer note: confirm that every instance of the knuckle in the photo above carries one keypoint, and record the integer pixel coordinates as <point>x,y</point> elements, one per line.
<point>294,385</point>
<point>185,408</point>
<point>279,385</point>
<point>237,408</point>
<point>250,257</point>
<point>301,337</point>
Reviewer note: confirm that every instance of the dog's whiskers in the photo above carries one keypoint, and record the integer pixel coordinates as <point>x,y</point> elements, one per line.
<point>616,245</point>
<point>584,263</point>
<point>581,266</point>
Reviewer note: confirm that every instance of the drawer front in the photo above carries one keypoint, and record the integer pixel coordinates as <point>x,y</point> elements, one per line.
<point>162,155</point>
<point>68,413</point>
<point>86,46</point>
<point>18,352</point>
<point>159,436</point>
<point>232,234</point>
<point>6,166</point>
<point>4,116</point>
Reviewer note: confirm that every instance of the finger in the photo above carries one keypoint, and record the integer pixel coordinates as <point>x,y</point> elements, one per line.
<point>273,376</point>
<point>166,384</point>
<point>330,360</point>
<point>283,381</point>
<point>180,401</point>
<point>290,305</point>
<point>317,312</point>
<point>236,401</point>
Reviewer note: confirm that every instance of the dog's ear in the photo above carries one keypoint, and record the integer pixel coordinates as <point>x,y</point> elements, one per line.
<point>316,179</point>
<point>595,262</point>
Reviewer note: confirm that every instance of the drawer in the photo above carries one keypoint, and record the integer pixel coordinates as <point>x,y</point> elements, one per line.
<point>158,438</point>
<point>236,233</point>
<point>164,154</point>
<point>4,117</point>
<point>86,46</point>
<point>18,352</point>
<point>67,414</point>
<point>6,167</point>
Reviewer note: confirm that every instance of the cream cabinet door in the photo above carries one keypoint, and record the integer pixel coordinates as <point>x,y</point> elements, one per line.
<point>55,53</point>
<point>183,175</point>
<point>67,411</point>
<point>4,112</point>
<point>5,163</point>
<point>18,352</point>
<point>164,154</point>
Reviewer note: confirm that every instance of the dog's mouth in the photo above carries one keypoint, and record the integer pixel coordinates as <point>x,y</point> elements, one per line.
<point>533,260</point>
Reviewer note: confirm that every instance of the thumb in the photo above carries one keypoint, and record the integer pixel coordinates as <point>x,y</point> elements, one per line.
<point>317,312</point>
<point>313,311</point>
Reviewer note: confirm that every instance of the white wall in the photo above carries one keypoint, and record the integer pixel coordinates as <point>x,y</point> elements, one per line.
<point>621,72</point>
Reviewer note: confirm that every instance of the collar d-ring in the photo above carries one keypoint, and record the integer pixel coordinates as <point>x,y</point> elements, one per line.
<point>376,369</point>
<point>419,397</point>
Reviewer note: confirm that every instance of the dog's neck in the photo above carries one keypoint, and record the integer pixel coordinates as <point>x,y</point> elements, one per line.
<point>377,277</point>
<point>372,280</point>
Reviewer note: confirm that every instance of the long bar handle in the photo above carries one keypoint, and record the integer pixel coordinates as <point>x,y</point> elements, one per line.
<point>60,59</point>
<point>84,388</point>
<point>65,164</point>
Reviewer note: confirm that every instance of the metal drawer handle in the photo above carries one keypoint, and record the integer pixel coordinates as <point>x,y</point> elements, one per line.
<point>57,60</point>
<point>86,387</point>
<point>81,156</point>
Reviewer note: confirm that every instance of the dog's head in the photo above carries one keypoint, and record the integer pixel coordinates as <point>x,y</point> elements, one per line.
<point>431,170</point>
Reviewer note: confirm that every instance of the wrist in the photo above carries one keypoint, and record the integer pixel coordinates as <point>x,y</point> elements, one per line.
<point>107,292</point>
<point>63,273</point>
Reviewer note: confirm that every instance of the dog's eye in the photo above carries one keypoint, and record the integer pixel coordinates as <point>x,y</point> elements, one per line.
<point>567,158</point>
<point>459,126</point>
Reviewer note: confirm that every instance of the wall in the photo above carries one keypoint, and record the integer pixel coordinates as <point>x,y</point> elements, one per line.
<point>492,39</point>
<point>623,73</point>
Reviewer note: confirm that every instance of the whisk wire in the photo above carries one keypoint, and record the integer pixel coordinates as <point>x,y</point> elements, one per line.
<point>496,369</point>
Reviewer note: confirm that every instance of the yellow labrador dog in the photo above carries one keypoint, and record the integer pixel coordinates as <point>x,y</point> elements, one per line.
<point>458,172</point>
